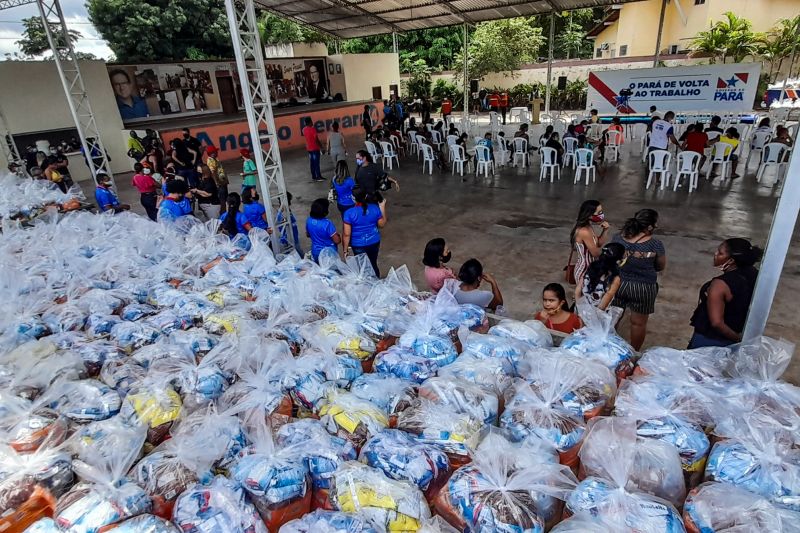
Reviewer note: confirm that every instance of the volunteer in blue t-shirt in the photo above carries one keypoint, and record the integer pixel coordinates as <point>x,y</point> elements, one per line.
<point>234,221</point>
<point>254,210</point>
<point>342,186</point>
<point>320,229</point>
<point>362,224</point>
<point>175,204</point>
<point>105,197</point>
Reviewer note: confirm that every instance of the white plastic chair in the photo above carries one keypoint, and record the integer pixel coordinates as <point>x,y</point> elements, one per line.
<point>549,164</point>
<point>457,158</point>
<point>689,166</point>
<point>483,160</point>
<point>413,147</point>
<point>427,157</point>
<point>613,141</point>
<point>436,139</point>
<point>584,162</point>
<point>570,143</point>
<point>398,147</point>
<point>501,154</point>
<point>372,150</point>
<point>420,143</point>
<point>643,147</point>
<point>595,131</point>
<point>771,157</point>
<point>757,144</point>
<point>659,164</point>
<point>520,151</point>
<point>718,157</point>
<point>389,154</point>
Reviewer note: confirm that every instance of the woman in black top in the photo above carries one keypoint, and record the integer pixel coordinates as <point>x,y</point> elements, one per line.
<point>366,122</point>
<point>207,194</point>
<point>724,301</point>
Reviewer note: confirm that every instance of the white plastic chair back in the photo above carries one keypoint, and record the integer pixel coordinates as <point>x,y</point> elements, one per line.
<point>396,143</point>
<point>389,154</point>
<point>718,152</point>
<point>457,158</point>
<point>549,156</point>
<point>436,137</point>
<point>483,160</point>
<point>773,156</point>
<point>689,166</point>
<point>570,143</point>
<point>412,143</point>
<point>760,139</point>
<point>482,153</point>
<point>549,164</point>
<point>520,150</point>
<point>451,140</point>
<point>659,164</point>
<point>584,163</point>
<point>613,138</point>
<point>372,149</point>
<point>427,157</point>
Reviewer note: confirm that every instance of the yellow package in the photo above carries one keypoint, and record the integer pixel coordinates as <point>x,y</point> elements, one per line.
<point>156,410</point>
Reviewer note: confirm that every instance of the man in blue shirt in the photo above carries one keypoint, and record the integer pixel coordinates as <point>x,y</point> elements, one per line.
<point>105,197</point>
<point>130,105</point>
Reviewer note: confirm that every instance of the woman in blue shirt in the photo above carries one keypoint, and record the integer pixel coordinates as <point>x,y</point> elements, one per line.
<point>320,229</point>
<point>234,225</point>
<point>175,204</point>
<point>362,224</point>
<point>254,210</point>
<point>342,186</point>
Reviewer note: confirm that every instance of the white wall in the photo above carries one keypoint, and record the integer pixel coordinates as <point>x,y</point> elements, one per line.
<point>362,72</point>
<point>33,100</point>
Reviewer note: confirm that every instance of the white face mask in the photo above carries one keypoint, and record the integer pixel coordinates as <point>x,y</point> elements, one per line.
<point>146,171</point>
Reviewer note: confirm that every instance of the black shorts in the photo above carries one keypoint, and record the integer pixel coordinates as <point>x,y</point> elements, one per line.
<point>637,296</point>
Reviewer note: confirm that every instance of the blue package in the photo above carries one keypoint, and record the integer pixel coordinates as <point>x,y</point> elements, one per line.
<point>323,452</point>
<point>405,364</point>
<point>135,311</point>
<point>402,457</point>
<point>329,522</point>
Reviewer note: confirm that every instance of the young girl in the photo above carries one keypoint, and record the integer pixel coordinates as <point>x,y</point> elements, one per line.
<point>342,187</point>
<point>601,281</point>
<point>555,313</point>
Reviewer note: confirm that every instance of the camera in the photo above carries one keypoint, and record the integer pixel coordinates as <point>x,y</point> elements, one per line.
<point>626,92</point>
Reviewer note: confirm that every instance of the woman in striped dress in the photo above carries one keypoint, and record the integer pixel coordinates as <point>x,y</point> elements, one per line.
<point>585,242</point>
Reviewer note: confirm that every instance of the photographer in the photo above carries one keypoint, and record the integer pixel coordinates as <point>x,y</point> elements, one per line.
<point>371,178</point>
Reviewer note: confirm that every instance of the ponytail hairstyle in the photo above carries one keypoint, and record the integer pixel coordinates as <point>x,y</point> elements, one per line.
<point>233,201</point>
<point>605,265</point>
<point>742,252</point>
<point>342,171</point>
<point>434,251</point>
<point>361,197</point>
<point>585,213</point>
<point>247,195</point>
<point>561,294</point>
<point>640,222</point>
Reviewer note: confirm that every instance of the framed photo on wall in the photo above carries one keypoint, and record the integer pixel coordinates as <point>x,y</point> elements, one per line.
<point>338,68</point>
<point>330,69</point>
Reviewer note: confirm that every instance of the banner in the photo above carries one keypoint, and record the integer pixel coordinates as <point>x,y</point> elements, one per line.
<point>703,88</point>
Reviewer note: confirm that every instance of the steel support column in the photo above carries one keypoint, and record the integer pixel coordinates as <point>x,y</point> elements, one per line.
<point>657,53</point>
<point>780,237</point>
<point>465,111</point>
<point>258,108</point>
<point>549,82</point>
<point>10,150</point>
<point>70,74</point>
<point>394,42</point>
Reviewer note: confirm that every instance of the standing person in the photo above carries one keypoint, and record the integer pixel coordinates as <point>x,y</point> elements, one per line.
<point>585,243</point>
<point>135,147</point>
<point>335,145</point>
<point>175,204</point>
<point>233,221</point>
<point>105,197</point>
<point>207,194</point>
<point>370,177</point>
<point>53,175</point>
<point>645,257</point>
<point>320,230</point>
<point>366,122</point>
<point>436,255</point>
<point>193,144</point>
<point>447,109</point>
<point>342,186</point>
<point>662,133</point>
<point>148,189</point>
<point>362,225</point>
<point>154,158</point>
<point>313,147</point>
<point>466,289</point>
<point>249,170</point>
<point>721,312</point>
<point>494,102</point>
<point>425,109</point>
<point>653,112</point>
<point>555,313</point>
<point>184,156</point>
<point>400,112</point>
<point>218,174</point>
<point>254,210</point>
<point>602,281</point>
<point>504,105</point>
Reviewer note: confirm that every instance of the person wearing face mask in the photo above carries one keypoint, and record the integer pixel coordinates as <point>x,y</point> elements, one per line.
<point>105,197</point>
<point>194,144</point>
<point>371,178</point>
<point>436,255</point>
<point>555,313</point>
<point>586,244</point>
<point>721,311</point>
<point>62,165</point>
<point>645,257</point>
<point>148,189</point>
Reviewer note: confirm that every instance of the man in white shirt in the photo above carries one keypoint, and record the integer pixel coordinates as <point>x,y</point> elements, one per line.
<point>662,133</point>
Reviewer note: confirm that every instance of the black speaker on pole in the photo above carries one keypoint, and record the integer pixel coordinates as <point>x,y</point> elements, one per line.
<point>473,86</point>
<point>562,83</point>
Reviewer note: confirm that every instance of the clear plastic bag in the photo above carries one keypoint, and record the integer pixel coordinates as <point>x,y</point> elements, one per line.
<point>713,507</point>
<point>198,382</point>
<point>531,332</point>
<point>395,505</point>
<point>701,365</point>
<point>122,375</point>
<point>26,426</point>
<point>133,335</point>
<point>83,401</point>
<point>432,332</point>
<point>315,374</point>
<point>401,457</point>
<point>321,521</point>
<point>656,467</point>
<point>348,416</point>
<point>96,353</point>
<point>405,364</point>
<point>598,340</point>
<point>492,347</point>
<point>154,404</point>
<point>504,489</point>
<point>218,507</point>
<point>146,523</point>
<point>494,375</point>
<point>209,424</point>
<point>135,311</point>
<point>388,392</point>
<point>21,473</point>
<point>463,397</point>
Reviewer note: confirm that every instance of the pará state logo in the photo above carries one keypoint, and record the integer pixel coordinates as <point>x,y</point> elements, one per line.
<point>731,89</point>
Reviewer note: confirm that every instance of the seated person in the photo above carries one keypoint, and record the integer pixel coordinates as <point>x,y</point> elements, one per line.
<point>582,128</point>
<point>487,142</point>
<point>570,132</point>
<point>523,133</point>
<point>105,197</point>
<point>554,143</point>
<point>616,125</point>
<point>466,289</point>
<point>782,136</point>
<point>544,137</point>
<point>731,138</point>
<point>555,313</point>
<point>696,140</point>
<point>502,141</point>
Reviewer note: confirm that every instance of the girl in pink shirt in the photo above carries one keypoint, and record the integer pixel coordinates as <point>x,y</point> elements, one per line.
<point>436,255</point>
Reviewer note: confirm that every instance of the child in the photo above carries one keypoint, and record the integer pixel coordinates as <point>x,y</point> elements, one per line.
<point>342,188</point>
<point>555,313</point>
<point>321,230</point>
<point>601,281</point>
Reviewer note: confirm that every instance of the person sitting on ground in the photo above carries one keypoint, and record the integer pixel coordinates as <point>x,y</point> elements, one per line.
<point>696,141</point>
<point>554,143</point>
<point>436,255</point>
<point>601,281</point>
<point>555,313</point>
<point>320,230</point>
<point>466,289</point>
<point>254,210</point>
<point>105,197</point>
<point>234,222</point>
<point>342,186</point>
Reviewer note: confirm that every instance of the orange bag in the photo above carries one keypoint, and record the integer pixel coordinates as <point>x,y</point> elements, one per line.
<point>40,505</point>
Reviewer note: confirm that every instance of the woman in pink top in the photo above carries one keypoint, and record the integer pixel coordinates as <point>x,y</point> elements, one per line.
<point>148,189</point>
<point>436,255</point>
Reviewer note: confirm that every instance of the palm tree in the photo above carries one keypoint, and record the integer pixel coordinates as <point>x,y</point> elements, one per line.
<point>730,37</point>
<point>712,43</point>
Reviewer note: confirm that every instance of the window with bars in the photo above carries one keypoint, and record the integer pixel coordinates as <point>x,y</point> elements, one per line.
<point>623,50</point>
<point>699,2</point>
<point>599,53</point>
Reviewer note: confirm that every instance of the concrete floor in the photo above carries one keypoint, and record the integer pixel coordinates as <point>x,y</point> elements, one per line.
<point>519,229</point>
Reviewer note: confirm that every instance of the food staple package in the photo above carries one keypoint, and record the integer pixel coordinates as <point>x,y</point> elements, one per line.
<point>217,507</point>
<point>321,521</point>
<point>598,341</point>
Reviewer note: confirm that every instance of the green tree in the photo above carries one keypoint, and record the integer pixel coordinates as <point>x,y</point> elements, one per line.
<point>572,41</point>
<point>437,46</point>
<point>34,39</point>
<point>502,45</point>
<point>777,45</point>
<point>152,30</point>
<point>732,37</point>
<point>419,83</point>
<point>278,30</point>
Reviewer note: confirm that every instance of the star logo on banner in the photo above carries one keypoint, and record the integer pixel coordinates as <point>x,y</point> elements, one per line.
<point>732,82</point>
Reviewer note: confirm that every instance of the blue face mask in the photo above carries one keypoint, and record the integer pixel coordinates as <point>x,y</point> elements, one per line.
<point>359,162</point>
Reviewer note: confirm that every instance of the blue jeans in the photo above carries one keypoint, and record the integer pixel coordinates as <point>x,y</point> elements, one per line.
<point>699,341</point>
<point>313,157</point>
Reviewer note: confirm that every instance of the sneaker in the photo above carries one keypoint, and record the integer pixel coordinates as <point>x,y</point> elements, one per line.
<point>317,179</point>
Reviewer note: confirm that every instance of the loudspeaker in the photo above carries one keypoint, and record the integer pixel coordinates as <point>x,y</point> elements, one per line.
<point>473,86</point>
<point>562,83</point>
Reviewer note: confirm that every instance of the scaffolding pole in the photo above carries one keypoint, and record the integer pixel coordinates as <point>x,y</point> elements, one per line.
<point>258,108</point>
<point>548,90</point>
<point>10,150</point>
<point>394,42</point>
<point>55,28</point>
<point>465,111</point>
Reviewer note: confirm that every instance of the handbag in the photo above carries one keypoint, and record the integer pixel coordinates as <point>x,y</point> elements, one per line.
<point>569,270</point>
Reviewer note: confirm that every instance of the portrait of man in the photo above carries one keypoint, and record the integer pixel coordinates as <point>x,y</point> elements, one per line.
<point>129,103</point>
<point>317,80</point>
